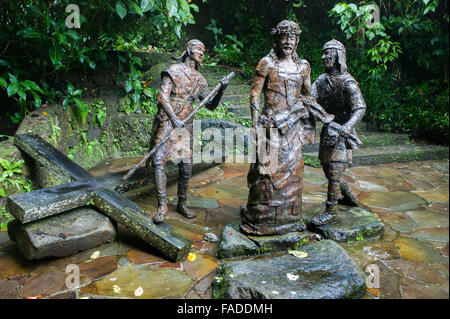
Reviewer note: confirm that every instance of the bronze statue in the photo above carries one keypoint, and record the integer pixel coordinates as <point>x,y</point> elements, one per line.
<point>181,84</point>
<point>275,195</point>
<point>338,92</point>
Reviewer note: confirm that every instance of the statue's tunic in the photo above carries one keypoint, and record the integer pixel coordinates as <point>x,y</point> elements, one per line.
<point>339,95</point>
<point>187,85</point>
<point>275,184</point>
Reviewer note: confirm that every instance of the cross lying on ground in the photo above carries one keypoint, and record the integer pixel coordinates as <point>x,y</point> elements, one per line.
<point>101,192</point>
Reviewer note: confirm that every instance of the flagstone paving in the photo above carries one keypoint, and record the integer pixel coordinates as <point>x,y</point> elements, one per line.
<point>411,199</point>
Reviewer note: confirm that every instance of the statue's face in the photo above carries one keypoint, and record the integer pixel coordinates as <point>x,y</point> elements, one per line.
<point>329,59</point>
<point>287,44</point>
<point>197,53</point>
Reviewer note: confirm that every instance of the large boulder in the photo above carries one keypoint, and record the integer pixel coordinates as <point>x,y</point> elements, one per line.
<point>326,273</point>
<point>62,235</point>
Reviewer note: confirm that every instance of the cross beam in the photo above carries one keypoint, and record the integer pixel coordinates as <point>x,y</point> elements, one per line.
<point>98,191</point>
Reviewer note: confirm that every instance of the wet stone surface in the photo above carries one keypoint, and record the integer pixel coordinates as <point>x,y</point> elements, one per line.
<point>352,224</point>
<point>236,244</point>
<point>327,272</point>
<point>410,200</point>
<point>62,235</point>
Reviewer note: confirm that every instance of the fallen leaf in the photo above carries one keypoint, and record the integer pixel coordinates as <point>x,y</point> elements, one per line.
<point>191,257</point>
<point>298,254</point>
<point>138,292</point>
<point>292,277</point>
<point>116,289</point>
<point>373,291</point>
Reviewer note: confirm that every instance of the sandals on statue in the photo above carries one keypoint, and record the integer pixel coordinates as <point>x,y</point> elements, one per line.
<point>324,218</point>
<point>160,215</point>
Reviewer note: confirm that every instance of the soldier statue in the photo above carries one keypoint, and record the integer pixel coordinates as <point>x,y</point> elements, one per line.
<point>181,84</point>
<point>275,194</point>
<point>339,94</point>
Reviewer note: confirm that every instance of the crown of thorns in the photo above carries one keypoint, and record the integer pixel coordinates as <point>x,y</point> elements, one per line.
<point>286,27</point>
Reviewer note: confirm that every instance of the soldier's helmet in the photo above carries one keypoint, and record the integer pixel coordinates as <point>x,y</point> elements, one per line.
<point>340,48</point>
<point>190,45</point>
<point>194,42</point>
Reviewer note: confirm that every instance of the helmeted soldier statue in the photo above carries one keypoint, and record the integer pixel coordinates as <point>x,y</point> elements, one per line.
<point>181,84</point>
<point>339,94</point>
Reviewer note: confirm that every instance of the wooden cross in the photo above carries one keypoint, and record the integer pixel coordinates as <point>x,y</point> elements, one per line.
<point>102,192</point>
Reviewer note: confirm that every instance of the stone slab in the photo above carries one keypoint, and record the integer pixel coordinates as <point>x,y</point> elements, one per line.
<point>62,235</point>
<point>41,203</point>
<point>235,244</point>
<point>353,224</point>
<point>50,157</point>
<point>326,273</point>
<point>125,212</point>
<point>393,154</point>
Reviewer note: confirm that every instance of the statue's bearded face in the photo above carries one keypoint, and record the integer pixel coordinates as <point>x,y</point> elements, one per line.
<point>197,53</point>
<point>329,59</point>
<point>287,44</point>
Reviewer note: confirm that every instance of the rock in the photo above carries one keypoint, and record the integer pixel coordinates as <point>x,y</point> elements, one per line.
<point>62,235</point>
<point>431,234</point>
<point>155,282</point>
<point>429,219</point>
<point>415,250</point>
<point>201,266</point>
<point>235,243</point>
<point>154,74</point>
<point>327,273</point>
<point>8,289</point>
<point>397,201</point>
<point>211,237</point>
<point>353,224</point>
<point>197,202</point>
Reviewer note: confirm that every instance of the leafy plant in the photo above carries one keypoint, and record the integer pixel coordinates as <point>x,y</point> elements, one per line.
<point>19,91</point>
<point>39,48</point>
<point>10,168</point>
<point>226,51</point>
<point>98,110</point>
<point>73,99</point>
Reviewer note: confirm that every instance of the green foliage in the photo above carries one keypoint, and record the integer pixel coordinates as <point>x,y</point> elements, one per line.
<point>39,48</point>
<point>355,21</point>
<point>98,110</point>
<point>407,93</point>
<point>10,170</point>
<point>73,99</point>
<point>4,216</point>
<point>147,104</point>
<point>226,50</point>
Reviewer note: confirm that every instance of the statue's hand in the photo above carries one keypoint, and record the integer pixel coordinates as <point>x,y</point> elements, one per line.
<point>345,131</point>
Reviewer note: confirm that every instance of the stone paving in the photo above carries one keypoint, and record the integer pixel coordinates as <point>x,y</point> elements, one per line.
<point>411,199</point>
